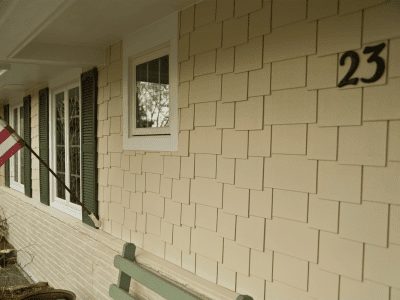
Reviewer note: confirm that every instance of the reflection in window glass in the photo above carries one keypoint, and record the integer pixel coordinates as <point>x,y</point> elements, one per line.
<point>17,166</point>
<point>152,93</point>
<point>16,156</point>
<point>21,152</point>
<point>74,143</point>
<point>60,144</point>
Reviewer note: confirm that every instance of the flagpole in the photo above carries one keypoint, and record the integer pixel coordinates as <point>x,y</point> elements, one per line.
<point>90,214</point>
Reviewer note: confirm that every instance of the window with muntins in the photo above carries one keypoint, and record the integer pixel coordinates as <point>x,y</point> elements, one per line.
<point>66,146</point>
<point>17,160</point>
<point>151,94</point>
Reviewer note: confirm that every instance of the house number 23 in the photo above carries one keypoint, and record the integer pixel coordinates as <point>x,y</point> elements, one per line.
<point>374,57</point>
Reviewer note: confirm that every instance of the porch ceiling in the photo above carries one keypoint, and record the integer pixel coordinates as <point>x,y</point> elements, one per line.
<point>94,23</point>
<point>43,38</point>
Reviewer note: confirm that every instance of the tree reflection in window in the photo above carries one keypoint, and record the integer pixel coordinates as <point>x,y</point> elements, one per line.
<point>21,152</point>
<point>16,156</point>
<point>152,93</point>
<point>74,143</point>
<point>60,144</point>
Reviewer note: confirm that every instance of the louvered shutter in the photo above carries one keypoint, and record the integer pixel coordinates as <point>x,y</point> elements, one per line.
<point>89,143</point>
<point>27,153</point>
<point>7,164</point>
<point>44,144</point>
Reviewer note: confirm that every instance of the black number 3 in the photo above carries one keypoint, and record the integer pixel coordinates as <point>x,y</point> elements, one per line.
<point>355,60</point>
<point>374,57</point>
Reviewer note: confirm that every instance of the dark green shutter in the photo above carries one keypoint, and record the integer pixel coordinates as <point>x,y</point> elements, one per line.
<point>44,144</point>
<point>27,153</point>
<point>7,164</point>
<point>89,143</point>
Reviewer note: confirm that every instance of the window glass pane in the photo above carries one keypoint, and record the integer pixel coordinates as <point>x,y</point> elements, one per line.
<point>16,156</point>
<point>164,70</point>
<point>152,93</point>
<point>21,152</point>
<point>60,144</point>
<point>141,72</point>
<point>74,142</point>
<point>153,71</point>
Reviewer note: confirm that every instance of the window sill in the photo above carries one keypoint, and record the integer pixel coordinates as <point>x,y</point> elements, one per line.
<point>63,207</point>
<point>151,143</point>
<point>17,187</point>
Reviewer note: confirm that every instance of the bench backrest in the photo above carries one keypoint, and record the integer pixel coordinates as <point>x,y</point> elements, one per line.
<point>130,269</point>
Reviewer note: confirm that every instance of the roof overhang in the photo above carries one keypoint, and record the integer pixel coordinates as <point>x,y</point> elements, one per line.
<point>42,38</point>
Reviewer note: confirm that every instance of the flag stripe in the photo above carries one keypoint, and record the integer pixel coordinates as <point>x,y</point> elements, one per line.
<point>10,152</point>
<point>4,134</point>
<point>10,142</point>
<point>7,144</point>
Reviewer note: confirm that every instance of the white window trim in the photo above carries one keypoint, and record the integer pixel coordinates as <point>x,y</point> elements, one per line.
<point>153,54</point>
<point>65,206</point>
<point>14,184</point>
<point>152,37</point>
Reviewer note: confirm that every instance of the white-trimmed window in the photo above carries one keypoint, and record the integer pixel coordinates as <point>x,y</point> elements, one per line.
<point>150,87</point>
<point>65,150</point>
<point>17,160</point>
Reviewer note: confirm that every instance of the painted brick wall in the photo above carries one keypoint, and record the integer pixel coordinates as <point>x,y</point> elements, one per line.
<point>284,186</point>
<point>59,249</point>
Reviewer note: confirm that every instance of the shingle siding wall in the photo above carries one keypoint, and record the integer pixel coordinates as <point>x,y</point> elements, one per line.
<point>284,186</point>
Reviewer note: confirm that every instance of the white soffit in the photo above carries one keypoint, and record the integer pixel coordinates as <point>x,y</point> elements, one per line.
<point>80,32</point>
<point>97,23</point>
<point>44,38</point>
<point>23,76</point>
<point>22,20</point>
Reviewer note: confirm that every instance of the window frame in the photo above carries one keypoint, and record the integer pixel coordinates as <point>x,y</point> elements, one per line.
<point>66,205</point>
<point>152,54</point>
<point>16,185</point>
<point>144,45</point>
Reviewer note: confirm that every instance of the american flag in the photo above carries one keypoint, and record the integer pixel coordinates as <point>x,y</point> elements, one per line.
<point>10,142</point>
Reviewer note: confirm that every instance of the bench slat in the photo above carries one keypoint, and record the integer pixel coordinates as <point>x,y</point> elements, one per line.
<point>161,286</point>
<point>129,268</point>
<point>118,294</point>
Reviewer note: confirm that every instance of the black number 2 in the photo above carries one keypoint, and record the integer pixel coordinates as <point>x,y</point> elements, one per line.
<point>355,61</point>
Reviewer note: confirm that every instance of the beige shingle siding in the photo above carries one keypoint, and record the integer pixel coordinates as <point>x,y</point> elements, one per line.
<point>290,171</point>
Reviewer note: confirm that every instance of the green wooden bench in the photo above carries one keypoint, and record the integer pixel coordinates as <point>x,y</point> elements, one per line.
<point>129,268</point>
